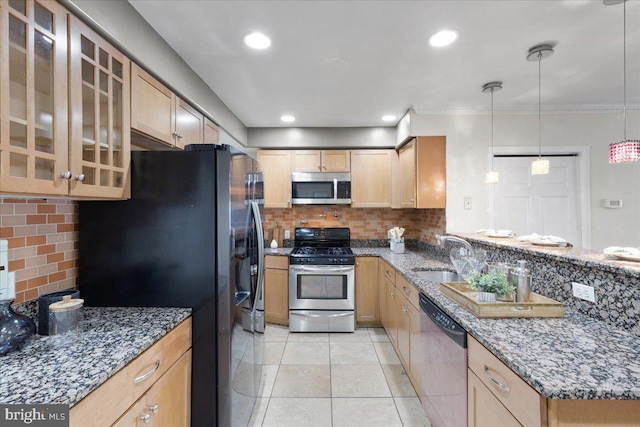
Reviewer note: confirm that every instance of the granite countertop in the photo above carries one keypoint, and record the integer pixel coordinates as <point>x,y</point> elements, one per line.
<point>575,357</point>
<point>64,369</point>
<point>278,251</point>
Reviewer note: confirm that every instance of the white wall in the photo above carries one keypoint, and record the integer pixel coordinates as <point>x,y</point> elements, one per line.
<point>468,140</point>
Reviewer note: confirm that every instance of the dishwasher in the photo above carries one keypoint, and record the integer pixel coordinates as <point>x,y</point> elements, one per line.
<point>443,345</point>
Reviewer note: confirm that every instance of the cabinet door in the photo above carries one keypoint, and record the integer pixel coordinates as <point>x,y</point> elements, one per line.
<point>407,170</point>
<point>189,125</point>
<point>402,326</point>
<point>367,310</point>
<point>136,416</point>
<point>211,132</point>
<point>307,161</point>
<point>431,172</point>
<point>335,161</point>
<point>416,353</point>
<point>152,106</point>
<point>99,145</point>
<point>391,325</point>
<point>483,407</point>
<point>276,296</point>
<point>33,98</point>
<point>371,178</point>
<point>276,165</point>
<point>169,399</point>
<point>382,300</point>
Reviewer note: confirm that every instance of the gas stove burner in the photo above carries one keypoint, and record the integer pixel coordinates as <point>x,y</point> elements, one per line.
<point>339,251</point>
<point>306,251</point>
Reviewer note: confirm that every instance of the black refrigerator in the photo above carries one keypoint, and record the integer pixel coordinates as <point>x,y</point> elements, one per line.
<point>190,236</point>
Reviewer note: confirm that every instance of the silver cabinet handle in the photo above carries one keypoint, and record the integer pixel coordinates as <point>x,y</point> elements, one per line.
<point>412,200</point>
<point>319,167</point>
<point>392,294</point>
<point>407,290</point>
<point>179,136</point>
<point>405,310</point>
<point>148,374</point>
<point>145,418</point>
<point>154,408</point>
<point>495,381</point>
<point>80,177</point>
<point>174,134</point>
<point>66,174</point>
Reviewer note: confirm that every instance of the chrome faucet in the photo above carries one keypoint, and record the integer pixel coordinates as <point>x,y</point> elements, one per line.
<point>442,239</point>
<point>335,212</point>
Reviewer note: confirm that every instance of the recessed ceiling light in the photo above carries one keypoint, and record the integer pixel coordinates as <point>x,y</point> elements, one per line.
<point>443,38</point>
<point>388,118</point>
<point>287,118</point>
<point>257,40</point>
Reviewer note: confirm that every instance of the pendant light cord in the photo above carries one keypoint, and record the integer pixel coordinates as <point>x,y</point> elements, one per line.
<point>624,62</point>
<point>539,103</point>
<point>492,129</point>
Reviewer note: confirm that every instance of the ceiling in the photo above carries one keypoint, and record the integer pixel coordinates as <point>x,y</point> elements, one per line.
<point>348,63</point>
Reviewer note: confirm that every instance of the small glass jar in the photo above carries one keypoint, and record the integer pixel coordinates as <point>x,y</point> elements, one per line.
<point>65,316</point>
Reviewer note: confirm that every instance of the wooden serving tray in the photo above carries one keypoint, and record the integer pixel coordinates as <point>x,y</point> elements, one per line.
<point>539,306</point>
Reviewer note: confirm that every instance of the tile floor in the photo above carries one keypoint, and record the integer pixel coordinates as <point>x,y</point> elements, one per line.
<point>322,379</point>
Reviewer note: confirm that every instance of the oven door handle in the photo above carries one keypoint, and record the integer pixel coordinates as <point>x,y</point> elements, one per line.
<point>293,313</point>
<point>326,269</point>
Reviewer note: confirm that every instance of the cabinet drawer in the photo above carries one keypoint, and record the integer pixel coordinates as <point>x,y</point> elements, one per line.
<point>389,272</point>
<point>408,290</point>
<point>515,394</point>
<point>104,405</point>
<point>279,262</point>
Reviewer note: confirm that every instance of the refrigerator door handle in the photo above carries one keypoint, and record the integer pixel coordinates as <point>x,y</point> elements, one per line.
<point>255,208</point>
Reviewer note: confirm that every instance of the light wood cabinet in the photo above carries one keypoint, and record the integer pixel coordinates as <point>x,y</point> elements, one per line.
<point>276,289</point>
<point>416,350</point>
<point>157,112</point>
<point>390,326</point>
<point>276,166</point>
<point>366,283</point>
<point>371,178</point>
<point>33,98</point>
<point>321,161</point>
<point>167,403</point>
<point>402,329</point>
<point>120,397</point>
<point>382,293</point>
<point>211,132</point>
<point>99,140</point>
<point>484,409</point>
<point>422,173</point>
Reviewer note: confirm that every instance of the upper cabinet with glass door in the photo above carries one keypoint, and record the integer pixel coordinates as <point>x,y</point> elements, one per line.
<point>33,97</point>
<point>100,140</point>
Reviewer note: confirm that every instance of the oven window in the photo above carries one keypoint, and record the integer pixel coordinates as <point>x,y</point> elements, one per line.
<point>318,286</point>
<point>312,190</point>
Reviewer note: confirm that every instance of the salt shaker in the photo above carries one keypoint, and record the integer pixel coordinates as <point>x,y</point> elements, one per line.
<point>521,280</point>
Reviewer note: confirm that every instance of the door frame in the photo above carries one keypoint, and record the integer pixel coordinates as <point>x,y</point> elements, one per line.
<point>584,178</point>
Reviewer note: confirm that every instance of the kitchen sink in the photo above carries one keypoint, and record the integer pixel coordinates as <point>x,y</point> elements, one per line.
<point>438,275</point>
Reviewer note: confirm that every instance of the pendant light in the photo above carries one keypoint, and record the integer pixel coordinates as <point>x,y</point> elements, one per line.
<point>493,176</point>
<point>540,166</point>
<point>627,150</point>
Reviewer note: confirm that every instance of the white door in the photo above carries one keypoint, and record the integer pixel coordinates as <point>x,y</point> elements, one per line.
<point>543,204</point>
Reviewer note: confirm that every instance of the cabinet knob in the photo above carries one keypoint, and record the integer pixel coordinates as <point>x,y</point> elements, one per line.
<point>145,418</point>
<point>392,294</point>
<point>407,290</point>
<point>413,200</point>
<point>174,134</point>
<point>405,310</point>
<point>319,167</point>
<point>66,174</point>
<point>80,177</point>
<point>179,136</point>
<point>154,408</point>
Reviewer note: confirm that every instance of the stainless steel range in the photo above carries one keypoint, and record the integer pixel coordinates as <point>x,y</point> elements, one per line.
<point>321,281</point>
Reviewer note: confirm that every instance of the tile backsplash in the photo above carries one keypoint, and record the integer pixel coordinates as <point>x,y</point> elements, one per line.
<point>365,223</point>
<point>43,244</point>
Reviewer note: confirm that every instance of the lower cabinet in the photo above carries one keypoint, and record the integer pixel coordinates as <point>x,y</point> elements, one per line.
<point>390,326</point>
<point>484,408</point>
<point>276,289</point>
<point>167,403</point>
<point>367,307</point>
<point>157,383</point>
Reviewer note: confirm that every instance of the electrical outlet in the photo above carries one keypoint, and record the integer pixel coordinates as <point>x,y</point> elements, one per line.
<point>583,291</point>
<point>287,234</point>
<point>467,203</point>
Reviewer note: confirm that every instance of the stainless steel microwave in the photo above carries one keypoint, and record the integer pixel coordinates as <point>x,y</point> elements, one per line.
<point>320,188</point>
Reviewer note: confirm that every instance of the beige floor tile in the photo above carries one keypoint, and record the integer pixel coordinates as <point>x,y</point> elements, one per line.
<point>275,333</point>
<point>303,381</point>
<point>353,353</point>
<point>361,334</point>
<point>273,352</point>
<point>269,373</point>
<point>358,381</point>
<point>294,412</point>
<point>386,353</point>
<point>378,335</point>
<point>308,337</point>
<point>365,412</point>
<point>398,381</point>
<point>259,410</point>
<point>306,353</point>
<point>411,412</point>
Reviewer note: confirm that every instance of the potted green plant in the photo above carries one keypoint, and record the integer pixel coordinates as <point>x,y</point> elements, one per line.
<point>493,285</point>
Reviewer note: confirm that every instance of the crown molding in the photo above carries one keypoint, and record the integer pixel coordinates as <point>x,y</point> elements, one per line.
<point>525,109</point>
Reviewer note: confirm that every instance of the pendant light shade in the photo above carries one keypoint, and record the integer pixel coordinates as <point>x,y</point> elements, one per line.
<point>627,150</point>
<point>492,176</point>
<point>540,166</point>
